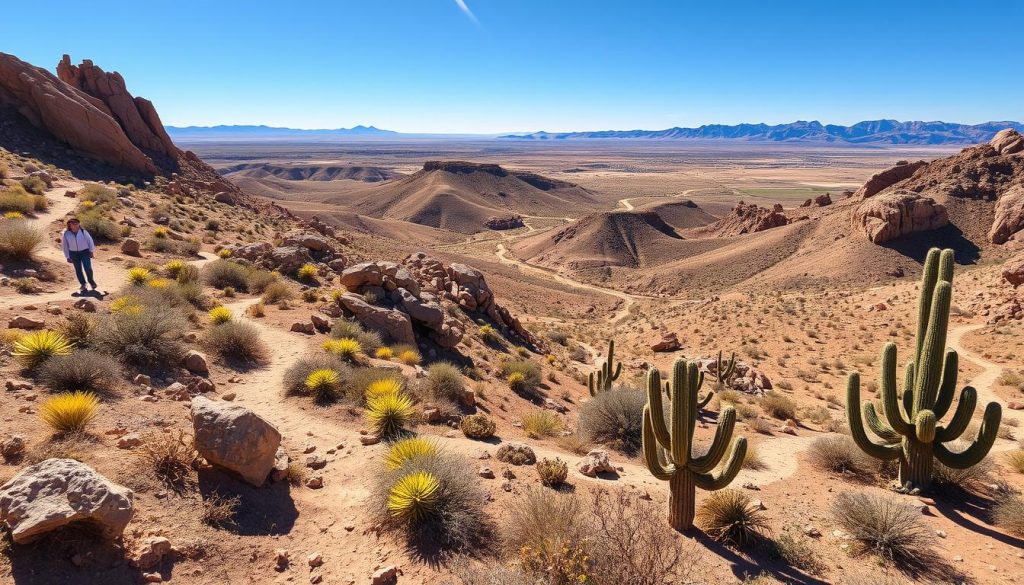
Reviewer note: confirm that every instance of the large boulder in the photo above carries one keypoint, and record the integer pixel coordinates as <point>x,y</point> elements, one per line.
<point>423,311</point>
<point>1009,215</point>
<point>390,322</point>
<point>315,242</point>
<point>57,492</point>
<point>1013,270</point>
<point>1007,141</point>
<point>287,259</point>
<point>899,213</point>
<point>235,438</point>
<point>889,177</point>
<point>362,274</point>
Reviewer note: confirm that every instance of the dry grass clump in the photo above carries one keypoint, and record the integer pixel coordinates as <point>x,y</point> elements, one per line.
<point>444,382</point>
<point>796,552</point>
<point>886,527</point>
<point>477,426</point>
<point>223,273</point>
<point>83,369</point>
<point>277,291</point>
<point>974,479</point>
<point>219,511</point>
<point>523,376</point>
<point>101,227</point>
<point>15,198</point>
<point>541,423</point>
<point>1015,459</point>
<point>615,419</point>
<point>408,356</point>
<point>552,472</point>
<point>840,455</point>
<point>1008,514</point>
<point>78,328</point>
<point>730,517</point>
<point>778,405</point>
<point>19,240</point>
<point>296,375</point>
<point>368,340</point>
<point>171,459</point>
<point>69,412</point>
<point>142,335</point>
<point>237,341</point>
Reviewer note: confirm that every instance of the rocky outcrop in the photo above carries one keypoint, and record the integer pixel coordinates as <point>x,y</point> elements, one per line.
<point>819,201</point>
<point>595,462</point>
<point>1007,141</point>
<point>235,438</point>
<point>390,322</point>
<point>747,219</point>
<point>1009,215</point>
<point>889,177</point>
<point>69,114</point>
<point>508,222</point>
<point>745,378</point>
<point>891,215</point>
<point>1013,270</point>
<point>57,492</point>
<point>298,248</point>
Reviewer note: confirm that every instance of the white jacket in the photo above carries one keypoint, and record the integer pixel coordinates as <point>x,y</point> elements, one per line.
<point>73,242</point>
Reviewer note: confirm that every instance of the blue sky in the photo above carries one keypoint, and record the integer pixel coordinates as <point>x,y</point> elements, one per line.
<point>556,65</point>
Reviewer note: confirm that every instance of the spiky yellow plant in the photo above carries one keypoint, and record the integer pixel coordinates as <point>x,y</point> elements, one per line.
<point>516,380</point>
<point>173,267</point>
<point>323,384</point>
<point>383,386</point>
<point>224,253</point>
<point>14,215</point>
<point>414,497</point>
<point>88,204</point>
<point>158,283</point>
<point>70,411</point>
<point>8,337</point>
<point>345,348</point>
<point>307,271</point>
<point>384,353</point>
<point>406,450</point>
<point>139,275</point>
<point>37,347</point>
<point>389,413</point>
<point>219,315</point>
<point>161,232</point>
<point>409,357</point>
<point>128,305</point>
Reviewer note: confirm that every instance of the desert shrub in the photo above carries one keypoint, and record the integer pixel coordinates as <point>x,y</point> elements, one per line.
<point>795,552</point>
<point>1015,459</point>
<point>389,413</point>
<point>34,185</point>
<point>189,274</point>
<point>614,418</point>
<point>83,369</point>
<point>362,379</point>
<point>224,253</point>
<point>409,449</point>
<point>40,203</point>
<point>69,412</point>
<point>840,455</point>
<point>369,340</point>
<point>101,227</point>
<point>324,385</point>
<point>444,382</point>
<point>409,356</point>
<point>752,459</point>
<point>487,333</point>
<point>173,268</point>
<point>260,280</point>
<point>886,527</point>
<point>558,336</point>
<point>225,273</point>
<point>552,472</point>
<point>345,348</point>
<point>778,405</point>
<point>516,454</point>
<point>730,517</point>
<point>138,275</point>
<point>189,247</point>
<point>219,511</point>
<point>147,337</point>
<point>219,315</point>
<point>477,426</point>
<point>433,500</point>
<point>32,349</point>
<point>238,341</point>
<point>547,532</point>
<point>307,272</point>
<point>97,193</point>
<point>169,458</point>
<point>296,375</point>
<point>384,353</point>
<point>523,377</point>
<point>13,215</point>
<point>1008,514</point>
<point>541,423</point>
<point>760,425</point>
<point>471,572</point>
<point>16,199</point>
<point>973,479</point>
<point>19,240</point>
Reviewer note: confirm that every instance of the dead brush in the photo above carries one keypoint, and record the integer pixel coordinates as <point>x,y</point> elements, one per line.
<point>219,511</point>
<point>172,460</point>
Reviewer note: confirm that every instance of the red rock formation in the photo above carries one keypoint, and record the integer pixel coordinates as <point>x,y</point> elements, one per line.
<point>1009,215</point>
<point>898,213</point>
<point>746,219</point>
<point>889,177</point>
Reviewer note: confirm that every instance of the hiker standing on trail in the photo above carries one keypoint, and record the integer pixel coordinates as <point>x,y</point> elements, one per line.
<point>78,250</point>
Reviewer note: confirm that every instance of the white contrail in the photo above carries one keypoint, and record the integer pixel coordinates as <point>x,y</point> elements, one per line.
<point>465,9</point>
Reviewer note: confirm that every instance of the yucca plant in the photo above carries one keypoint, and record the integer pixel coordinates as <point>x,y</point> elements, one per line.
<point>224,253</point>
<point>414,497</point>
<point>382,387</point>
<point>158,283</point>
<point>307,272</point>
<point>409,357</point>
<point>730,517</point>
<point>389,413</point>
<point>14,215</point>
<point>161,232</point>
<point>127,305</point>
<point>139,275</point>
<point>345,348</point>
<point>35,348</point>
<point>70,411</point>
<point>219,315</point>
<point>174,267</point>
<point>323,384</point>
<point>516,380</point>
<point>384,353</point>
<point>406,450</point>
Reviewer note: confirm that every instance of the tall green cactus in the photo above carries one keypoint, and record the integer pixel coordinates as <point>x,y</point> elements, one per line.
<point>609,372</point>
<point>911,431</point>
<point>668,449</point>
<point>720,374</point>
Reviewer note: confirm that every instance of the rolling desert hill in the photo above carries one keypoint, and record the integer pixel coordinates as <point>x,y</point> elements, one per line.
<point>310,172</point>
<point>461,196</point>
<point>680,214</point>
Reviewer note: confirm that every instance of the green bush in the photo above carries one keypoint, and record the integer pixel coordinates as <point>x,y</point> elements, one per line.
<point>83,369</point>
<point>99,194</point>
<point>369,340</point>
<point>276,292</point>
<point>19,240</point>
<point>146,338</point>
<point>614,418</point>
<point>259,280</point>
<point>224,273</point>
<point>237,341</point>
<point>477,426</point>
<point>444,382</point>
<point>16,199</point>
<point>101,227</point>
<point>528,378</point>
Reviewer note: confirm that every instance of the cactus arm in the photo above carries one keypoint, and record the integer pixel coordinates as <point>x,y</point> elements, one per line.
<point>853,418</point>
<point>882,430</point>
<point>729,369</point>
<point>719,446</point>
<point>682,413</point>
<point>947,387</point>
<point>712,482</point>
<point>929,277</point>
<point>907,399</point>
<point>890,403</point>
<point>924,426</point>
<point>700,380</point>
<point>981,445</point>
<point>961,416</point>
<point>590,384</point>
<point>653,456</point>
<point>929,369</point>
<point>668,390</point>
<point>946,265</point>
<point>657,408</point>
<point>703,402</point>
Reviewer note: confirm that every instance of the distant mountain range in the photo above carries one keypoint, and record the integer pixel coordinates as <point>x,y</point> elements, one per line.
<point>269,132</point>
<point>869,132</point>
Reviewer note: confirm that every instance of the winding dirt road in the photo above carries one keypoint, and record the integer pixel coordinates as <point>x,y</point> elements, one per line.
<point>985,381</point>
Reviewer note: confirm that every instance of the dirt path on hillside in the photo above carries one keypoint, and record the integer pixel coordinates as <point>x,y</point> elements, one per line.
<point>626,205</point>
<point>986,379</point>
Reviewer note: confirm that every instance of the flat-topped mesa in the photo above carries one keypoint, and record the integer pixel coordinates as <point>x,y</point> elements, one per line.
<point>459,166</point>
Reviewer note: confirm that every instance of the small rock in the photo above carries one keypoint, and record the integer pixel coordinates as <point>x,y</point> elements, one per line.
<point>227,396</point>
<point>315,560</point>
<point>152,578</point>
<point>23,322</point>
<point>85,305</point>
<point>281,559</point>
<point>142,380</point>
<point>316,462</point>
<point>811,531</point>
<point>369,440</point>
<point>314,483</point>
<point>150,552</point>
<point>129,441</point>
<point>385,576</point>
<point>486,473</point>
<point>196,362</point>
<point>131,247</point>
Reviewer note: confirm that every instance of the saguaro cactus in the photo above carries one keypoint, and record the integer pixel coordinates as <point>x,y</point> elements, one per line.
<point>610,371</point>
<point>668,450</point>
<point>911,431</point>
<point>720,374</point>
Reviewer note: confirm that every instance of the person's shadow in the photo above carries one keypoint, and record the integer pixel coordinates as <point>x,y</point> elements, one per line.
<point>96,294</point>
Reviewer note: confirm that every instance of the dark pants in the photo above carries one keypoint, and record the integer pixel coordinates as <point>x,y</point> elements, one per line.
<point>83,267</point>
